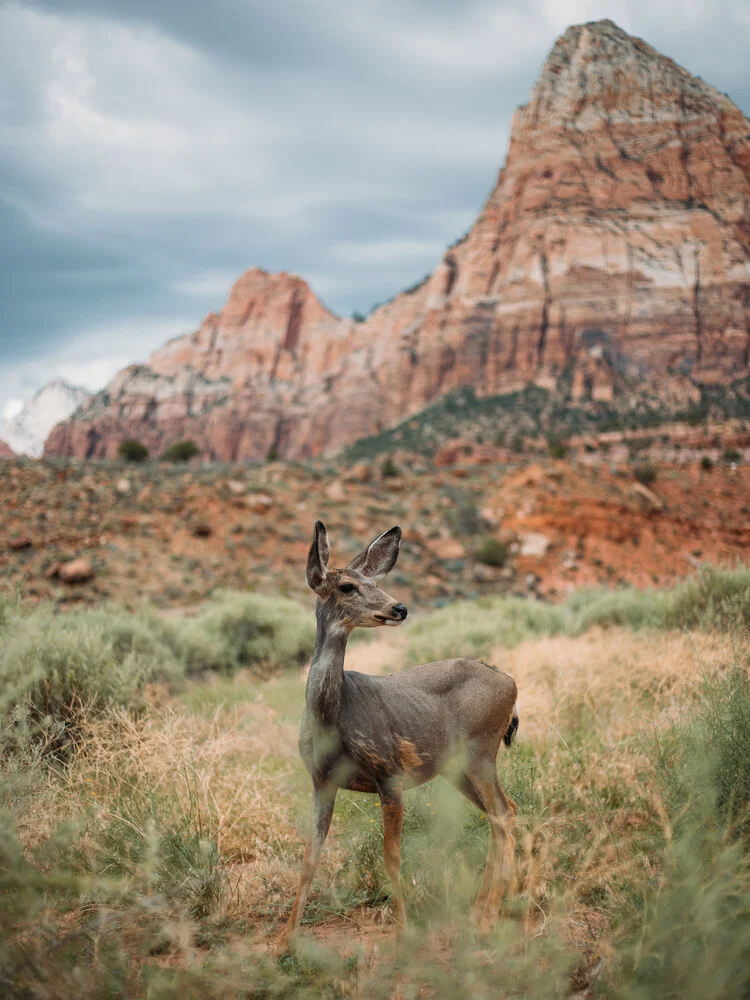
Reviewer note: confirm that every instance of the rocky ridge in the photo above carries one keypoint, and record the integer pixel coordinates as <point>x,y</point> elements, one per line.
<point>614,251</point>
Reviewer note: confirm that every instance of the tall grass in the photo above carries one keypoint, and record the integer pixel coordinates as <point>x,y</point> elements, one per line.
<point>157,857</point>
<point>711,598</point>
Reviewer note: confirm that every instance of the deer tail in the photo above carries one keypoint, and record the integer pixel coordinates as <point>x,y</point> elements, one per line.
<point>512,729</point>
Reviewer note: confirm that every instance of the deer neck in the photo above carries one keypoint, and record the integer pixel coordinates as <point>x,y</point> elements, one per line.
<point>326,677</point>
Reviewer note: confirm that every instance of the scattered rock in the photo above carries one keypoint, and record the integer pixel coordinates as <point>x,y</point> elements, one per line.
<point>360,473</point>
<point>568,560</point>
<point>201,529</point>
<point>259,502</point>
<point>76,571</point>
<point>236,487</point>
<point>449,454</point>
<point>336,492</point>
<point>534,545</point>
<point>483,574</point>
<point>122,486</point>
<point>488,516</point>
<point>647,496</point>
<point>445,548</point>
<point>20,542</point>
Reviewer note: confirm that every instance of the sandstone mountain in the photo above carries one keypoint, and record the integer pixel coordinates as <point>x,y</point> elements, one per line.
<point>614,250</point>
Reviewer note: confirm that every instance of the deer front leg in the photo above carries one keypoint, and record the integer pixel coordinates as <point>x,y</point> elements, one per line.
<point>392,807</point>
<point>324,799</point>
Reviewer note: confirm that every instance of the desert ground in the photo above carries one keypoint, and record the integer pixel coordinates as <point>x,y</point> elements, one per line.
<point>154,805</point>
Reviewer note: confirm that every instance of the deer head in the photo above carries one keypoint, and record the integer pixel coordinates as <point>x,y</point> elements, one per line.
<point>350,597</point>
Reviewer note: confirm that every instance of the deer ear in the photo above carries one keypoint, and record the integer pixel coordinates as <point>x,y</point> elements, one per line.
<point>317,558</point>
<point>380,556</point>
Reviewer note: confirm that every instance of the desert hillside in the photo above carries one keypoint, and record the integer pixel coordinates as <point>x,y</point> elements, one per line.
<point>478,519</point>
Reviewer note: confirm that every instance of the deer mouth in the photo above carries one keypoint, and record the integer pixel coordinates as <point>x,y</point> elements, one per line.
<point>385,620</point>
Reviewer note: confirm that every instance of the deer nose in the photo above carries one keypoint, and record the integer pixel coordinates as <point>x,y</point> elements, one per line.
<point>400,611</point>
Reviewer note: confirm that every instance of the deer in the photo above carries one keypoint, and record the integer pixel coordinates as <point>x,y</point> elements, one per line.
<point>385,734</point>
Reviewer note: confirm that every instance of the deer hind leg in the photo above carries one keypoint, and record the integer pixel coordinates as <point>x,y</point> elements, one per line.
<point>392,807</point>
<point>324,799</point>
<point>480,785</point>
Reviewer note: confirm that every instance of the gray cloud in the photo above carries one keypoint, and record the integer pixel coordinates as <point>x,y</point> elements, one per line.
<point>152,151</point>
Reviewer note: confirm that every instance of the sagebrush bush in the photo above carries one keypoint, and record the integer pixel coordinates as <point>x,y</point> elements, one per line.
<point>706,760</point>
<point>63,665</point>
<point>556,446</point>
<point>491,552</point>
<point>711,598</point>
<point>60,665</point>
<point>645,473</point>
<point>248,630</point>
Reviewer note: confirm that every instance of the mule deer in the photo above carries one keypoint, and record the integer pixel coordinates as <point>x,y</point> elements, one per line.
<point>382,734</point>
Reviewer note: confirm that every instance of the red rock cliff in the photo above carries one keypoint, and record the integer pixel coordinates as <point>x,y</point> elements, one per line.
<point>619,228</point>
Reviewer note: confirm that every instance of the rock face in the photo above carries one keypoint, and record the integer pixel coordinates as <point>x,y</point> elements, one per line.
<point>27,430</point>
<point>5,450</point>
<point>615,248</point>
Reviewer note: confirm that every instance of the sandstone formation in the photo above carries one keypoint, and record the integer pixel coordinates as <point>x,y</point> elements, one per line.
<point>5,450</point>
<point>615,247</point>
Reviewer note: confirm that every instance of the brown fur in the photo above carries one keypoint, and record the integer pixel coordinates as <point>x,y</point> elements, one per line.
<point>408,757</point>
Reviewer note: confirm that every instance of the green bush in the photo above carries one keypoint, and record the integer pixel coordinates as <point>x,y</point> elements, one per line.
<point>707,463</point>
<point>492,552</point>
<point>731,456</point>
<point>556,446</point>
<point>83,661</point>
<point>132,451</point>
<point>248,630</point>
<point>645,473</point>
<point>712,598</point>
<point>181,451</point>
<point>389,469</point>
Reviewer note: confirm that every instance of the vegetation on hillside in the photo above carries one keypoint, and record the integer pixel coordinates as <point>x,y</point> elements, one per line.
<point>539,413</point>
<point>150,856</point>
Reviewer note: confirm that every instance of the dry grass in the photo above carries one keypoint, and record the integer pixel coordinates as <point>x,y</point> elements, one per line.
<point>622,679</point>
<point>592,828</point>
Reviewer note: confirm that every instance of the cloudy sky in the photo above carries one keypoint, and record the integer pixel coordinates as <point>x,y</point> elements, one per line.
<point>152,150</point>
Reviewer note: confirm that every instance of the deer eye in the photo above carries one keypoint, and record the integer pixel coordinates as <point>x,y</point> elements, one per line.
<point>347,588</point>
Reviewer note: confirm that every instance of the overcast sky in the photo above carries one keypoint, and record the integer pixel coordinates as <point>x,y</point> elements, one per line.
<point>152,150</point>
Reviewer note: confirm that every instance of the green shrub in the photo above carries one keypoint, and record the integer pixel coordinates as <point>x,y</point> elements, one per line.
<point>492,552</point>
<point>707,463</point>
<point>731,456</point>
<point>181,451</point>
<point>272,454</point>
<point>61,665</point>
<point>248,630</point>
<point>645,473</point>
<point>389,469</point>
<point>711,598</point>
<point>132,451</point>
<point>556,446</point>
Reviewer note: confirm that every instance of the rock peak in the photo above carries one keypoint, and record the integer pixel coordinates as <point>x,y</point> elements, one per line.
<point>612,256</point>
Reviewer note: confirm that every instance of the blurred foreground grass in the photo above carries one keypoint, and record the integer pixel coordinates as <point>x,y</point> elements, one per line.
<point>152,808</point>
